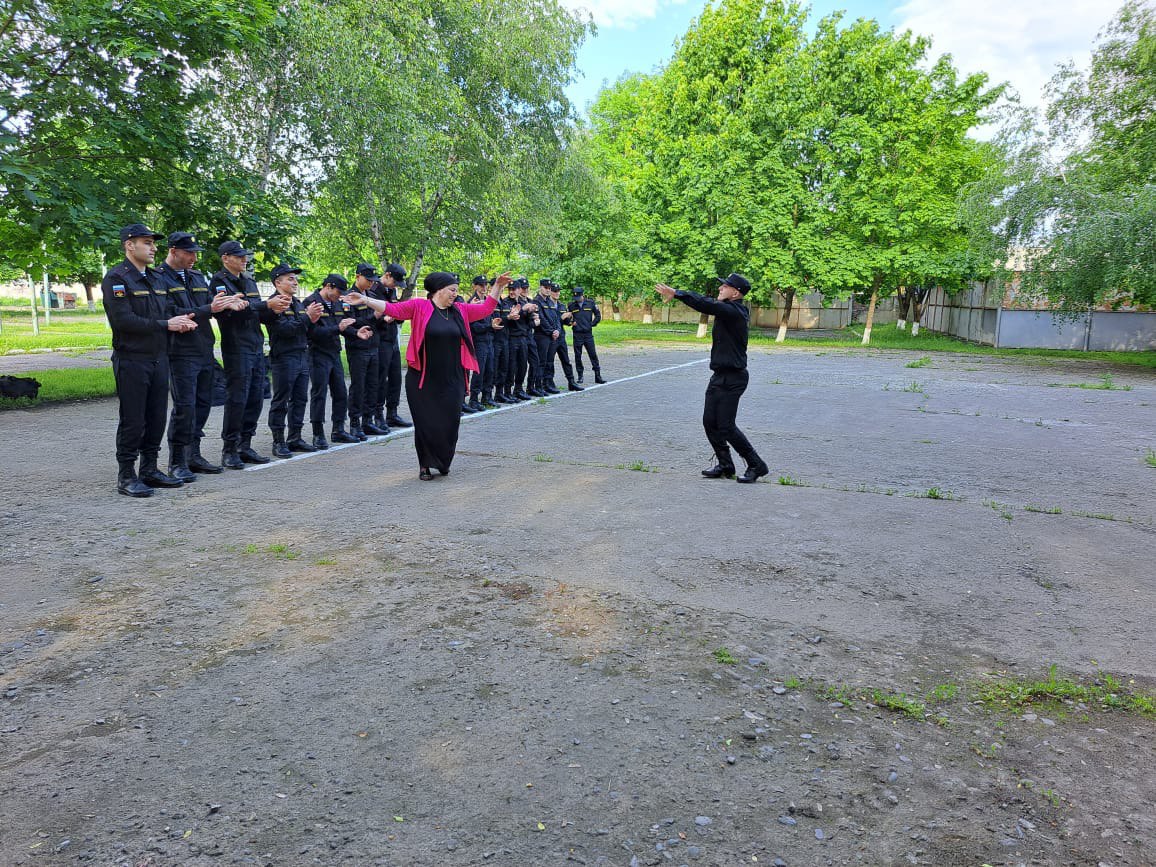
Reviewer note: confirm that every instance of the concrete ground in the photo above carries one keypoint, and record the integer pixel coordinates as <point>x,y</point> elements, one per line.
<point>573,649</point>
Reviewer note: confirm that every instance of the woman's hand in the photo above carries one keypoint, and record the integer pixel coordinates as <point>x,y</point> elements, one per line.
<point>354,298</point>
<point>500,283</point>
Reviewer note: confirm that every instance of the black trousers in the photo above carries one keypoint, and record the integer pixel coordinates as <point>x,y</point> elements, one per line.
<point>483,381</point>
<point>290,392</point>
<point>244,397</point>
<point>191,384</point>
<point>142,387</point>
<point>387,395</point>
<point>585,340</point>
<point>501,361</point>
<point>720,413</point>
<point>362,383</point>
<point>533,359</point>
<point>326,375</point>
<point>545,367</point>
<point>517,361</point>
<point>562,351</point>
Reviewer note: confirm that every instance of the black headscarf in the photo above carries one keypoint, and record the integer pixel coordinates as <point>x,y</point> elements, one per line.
<point>436,280</point>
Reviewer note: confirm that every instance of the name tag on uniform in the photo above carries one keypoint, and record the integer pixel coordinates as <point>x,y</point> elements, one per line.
<point>118,291</point>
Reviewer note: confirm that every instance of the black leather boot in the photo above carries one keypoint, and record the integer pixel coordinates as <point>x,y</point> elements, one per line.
<point>296,443</point>
<point>356,432</point>
<point>198,463</point>
<point>380,422</point>
<point>179,464</point>
<point>248,455</point>
<point>550,388</point>
<point>370,428</point>
<point>340,435</point>
<point>395,420</point>
<point>573,386</point>
<point>319,441</point>
<point>128,484</point>
<point>755,471</point>
<point>230,460</point>
<point>598,378</point>
<point>153,477</point>
<point>280,449</point>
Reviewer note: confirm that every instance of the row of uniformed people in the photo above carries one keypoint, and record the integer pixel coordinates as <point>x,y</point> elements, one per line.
<point>163,339</point>
<point>517,347</point>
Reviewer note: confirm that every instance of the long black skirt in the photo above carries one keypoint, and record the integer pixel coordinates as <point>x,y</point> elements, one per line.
<point>436,405</point>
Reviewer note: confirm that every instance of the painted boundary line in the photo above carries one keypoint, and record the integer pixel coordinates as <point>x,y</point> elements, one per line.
<point>507,408</point>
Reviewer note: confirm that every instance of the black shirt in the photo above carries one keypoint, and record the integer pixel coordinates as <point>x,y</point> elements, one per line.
<point>387,331</point>
<point>325,335</point>
<point>482,329</point>
<point>586,315</point>
<point>728,349</point>
<point>138,308</point>
<point>288,330</point>
<point>190,293</point>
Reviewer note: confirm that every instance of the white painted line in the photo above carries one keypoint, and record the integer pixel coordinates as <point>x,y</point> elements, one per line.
<point>301,456</point>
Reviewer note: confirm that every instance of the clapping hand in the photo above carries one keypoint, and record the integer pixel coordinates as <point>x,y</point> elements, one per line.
<point>667,292</point>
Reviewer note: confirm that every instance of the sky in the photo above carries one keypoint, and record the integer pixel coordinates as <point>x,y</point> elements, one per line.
<point>1018,41</point>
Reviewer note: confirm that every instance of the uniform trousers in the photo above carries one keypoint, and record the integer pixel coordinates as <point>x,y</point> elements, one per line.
<point>720,414</point>
<point>362,383</point>
<point>191,383</point>
<point>585,340</point>
<point>517,361</point>
<point>142,387</point>
<point>327,375</point>
<point>290,391</point>
<point>501,360</point>
<point>483,381</point>
<point>244,397</point>
<point>387,395</point>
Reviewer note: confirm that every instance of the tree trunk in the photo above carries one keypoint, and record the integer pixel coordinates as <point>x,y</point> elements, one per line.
<point>648,312</point>
<point>871,309</point>
<point>703,320</point>
<point>32,293</point>
<point>903,301</point>
<point>615,310</point>
<point>88,295</point>
<point>917,300</point>
<point>789,297</point>
<point>411,281</point>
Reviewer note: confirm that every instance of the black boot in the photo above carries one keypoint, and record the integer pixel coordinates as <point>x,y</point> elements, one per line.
<point>756,469</point>
<point>468,409</point>
<point>230,460</point>
<point>154,478</point>
<point>395,420</point>
<point>248,455</point>
<point>128,484</point>
<point>198,463</point>
<point>370,428</point>
<point>579,379</point>
<point>339,435</point>
<point>280,449</point>
<point>319,441</point>
<point>724,469</point>
<point>356,432</point>
<point>598,378</point>
<point>296,443</point>
<point>573,386</point>
<point>380,423</point>
<point>179,464</point>
<point>550,388</point>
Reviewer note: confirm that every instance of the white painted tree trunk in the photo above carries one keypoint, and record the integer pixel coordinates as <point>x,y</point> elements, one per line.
<point>32,292</point>
<point>902,325</point>
<point>914,328</point>
<point>782,335</point>
<point>871,313</point>
<point>647,318</point>
<point>701,332</point>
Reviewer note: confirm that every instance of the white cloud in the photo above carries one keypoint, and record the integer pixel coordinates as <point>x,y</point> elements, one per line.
<point>620,13</point>
<point>1018,41</point>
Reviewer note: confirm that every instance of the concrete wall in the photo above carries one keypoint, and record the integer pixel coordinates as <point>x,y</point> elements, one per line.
<point>807,312</point>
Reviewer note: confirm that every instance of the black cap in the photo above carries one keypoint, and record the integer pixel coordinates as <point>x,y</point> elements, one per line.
<point>439,280</point>
<point>480,281</point>
<point>336,280</point>
<point>577,290</point>
<point>367,271</point>
<point>184,241</point>
<point>233,248</point>
<point>545,281</point>
<point>395,270</point>
<point>737,280</point>
<point>281,270</point>
<point>139,230</point>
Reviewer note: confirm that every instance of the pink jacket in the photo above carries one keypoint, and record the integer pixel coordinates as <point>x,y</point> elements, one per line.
<point>419,311</point>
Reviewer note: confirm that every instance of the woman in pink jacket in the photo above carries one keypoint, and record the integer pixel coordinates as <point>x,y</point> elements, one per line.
<point>440,351</point>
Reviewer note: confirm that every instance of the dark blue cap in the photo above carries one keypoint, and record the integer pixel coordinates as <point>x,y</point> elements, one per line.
<point>139,230</point>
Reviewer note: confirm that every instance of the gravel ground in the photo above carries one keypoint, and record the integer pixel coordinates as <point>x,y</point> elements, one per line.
<point>573,650</point>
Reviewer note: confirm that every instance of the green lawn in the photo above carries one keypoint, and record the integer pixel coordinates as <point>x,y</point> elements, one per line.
<point>883,337</point>
<point>71,329</point>
<point>73,383</point>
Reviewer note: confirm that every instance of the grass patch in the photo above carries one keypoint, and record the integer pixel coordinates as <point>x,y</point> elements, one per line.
<point>638,467</point>
<point>80,330</point>
<point>919,362</point>
<point>325,561</point>
<point>543,459</point>
<point>279,551</point>
<point>935,493</point>
<point>791,481</point>
<point>1106,383</point>
<point>1044,510</point>
<point>1105,692</point>
<point>76,383</point>
<point>1150,458</point>
<point>724,657</point>
<point>914,388</point>
<point>1002,509</point>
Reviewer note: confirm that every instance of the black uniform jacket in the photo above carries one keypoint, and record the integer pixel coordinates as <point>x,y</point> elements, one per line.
<point>240,329</point>
<point>586,315</point>
<point>325,335</point>
<point>138,308</point>
<point>728,350</point>
<point>190,295</point>
<point>288,330</point>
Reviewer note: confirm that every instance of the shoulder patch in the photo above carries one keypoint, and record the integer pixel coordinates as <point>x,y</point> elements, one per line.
<point>118,290</point>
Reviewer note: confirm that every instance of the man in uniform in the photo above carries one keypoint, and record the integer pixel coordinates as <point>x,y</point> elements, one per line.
<point>289,353</point>
<point>501,328</point>
<point>586,316</point>
<point>191,363</point>
<point>326,373</point>
<point>728,360</point>
<point>387,398</point>
<point>142,316</point>
<point>242,349</point>
<point>559,347</point>
<point>545,333</point>
<point>361,343</point>
<point>519,323</point>
<point>482,331</point>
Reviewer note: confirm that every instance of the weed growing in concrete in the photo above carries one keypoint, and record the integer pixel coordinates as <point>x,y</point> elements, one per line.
<point>641,467</point>
<point>919,362</point>
<point>1044,510</point>
<point>1150,458</point>
<point>790,481</point>
<point>793,683</point>
<point>915,388</point>
<point>325,561</point>
<point>1003,509</point>
<point>724,657</point>
<point>543,459</point>
<point>1105,692</point>
<point>1106,383</point>
<point>936,494</point>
